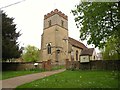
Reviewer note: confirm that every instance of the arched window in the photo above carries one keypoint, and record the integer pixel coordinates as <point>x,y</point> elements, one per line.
<point>94,57</point>
<point>49,48</point>
<point>76,55</point>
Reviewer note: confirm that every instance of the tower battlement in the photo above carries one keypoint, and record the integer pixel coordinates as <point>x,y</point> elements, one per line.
<point>56,11</point>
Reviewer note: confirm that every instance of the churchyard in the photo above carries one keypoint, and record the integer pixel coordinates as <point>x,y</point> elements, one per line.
<point>85,68</point>
<point>11,74</point>
<point>78,79</point>
<point>97,74</point>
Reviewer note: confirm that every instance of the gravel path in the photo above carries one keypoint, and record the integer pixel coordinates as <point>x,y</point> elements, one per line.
<point>16,81</point>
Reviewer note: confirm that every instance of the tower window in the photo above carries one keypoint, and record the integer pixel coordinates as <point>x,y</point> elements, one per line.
<point>62,23</point>
<point>49,23</point>
<point>49,48</point>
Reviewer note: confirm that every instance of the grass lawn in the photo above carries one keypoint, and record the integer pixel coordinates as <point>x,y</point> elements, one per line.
<point>10,74</point>
<point>77,79</point>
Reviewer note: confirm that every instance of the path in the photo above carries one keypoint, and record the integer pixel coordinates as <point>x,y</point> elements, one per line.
<point>16,81</point>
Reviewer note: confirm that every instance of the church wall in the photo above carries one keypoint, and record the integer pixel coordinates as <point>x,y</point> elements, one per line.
<point>74,49</point>
<point>64,20</point>
<point>79,52</point>
<point>62,34</point>
<point>55,35</point>
<point>55,20</point>
<point>61,44</point>
<point>69,51</point>
<point>48,37</point>
<point>94,56</point>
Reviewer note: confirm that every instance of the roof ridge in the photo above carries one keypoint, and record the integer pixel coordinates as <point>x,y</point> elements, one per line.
<point>78,43</point>
<point>88,51</point>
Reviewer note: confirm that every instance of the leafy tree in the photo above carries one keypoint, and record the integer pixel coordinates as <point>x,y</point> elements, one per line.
<point>31,54</point>
<point>110,52</point>
<point>99,22</point>
<point>10,46</point>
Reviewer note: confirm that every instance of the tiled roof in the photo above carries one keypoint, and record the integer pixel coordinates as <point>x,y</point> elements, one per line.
<point>76,43</point>
<point>88,51</point>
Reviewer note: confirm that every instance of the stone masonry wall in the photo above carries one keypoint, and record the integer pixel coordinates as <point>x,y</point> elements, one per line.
<point>14,66</point>
<point>97,65</point>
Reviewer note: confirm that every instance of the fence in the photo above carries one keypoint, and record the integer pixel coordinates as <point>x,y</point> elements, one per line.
<point>98,65</point>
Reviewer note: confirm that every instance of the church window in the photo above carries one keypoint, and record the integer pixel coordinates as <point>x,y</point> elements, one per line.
<point>49,23</point>
<point>49,48</point>
<point>76,55</point>
<point>94,57</point>
<point>62,23</point>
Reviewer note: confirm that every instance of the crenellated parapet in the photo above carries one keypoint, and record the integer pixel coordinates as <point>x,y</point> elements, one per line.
<point>56,11</point>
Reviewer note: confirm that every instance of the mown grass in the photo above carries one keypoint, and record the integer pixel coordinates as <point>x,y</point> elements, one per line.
<point>11,74</point>
<point>77,79</point>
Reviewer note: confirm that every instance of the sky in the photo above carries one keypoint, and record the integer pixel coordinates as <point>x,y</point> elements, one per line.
<point>29,17</point>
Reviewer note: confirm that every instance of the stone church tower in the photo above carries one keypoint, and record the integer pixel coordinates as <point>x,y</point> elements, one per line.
<point>54,40</point>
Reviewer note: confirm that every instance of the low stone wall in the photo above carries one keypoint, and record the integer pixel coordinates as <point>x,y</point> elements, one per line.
<point>14,66</point>
<point>7,66</point>
<point>46,65</point>
<point>98,64</point>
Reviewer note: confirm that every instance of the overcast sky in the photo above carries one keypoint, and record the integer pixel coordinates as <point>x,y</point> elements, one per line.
<point>29,16</point>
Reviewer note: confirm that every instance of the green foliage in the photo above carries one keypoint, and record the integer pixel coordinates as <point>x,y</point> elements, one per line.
<point>10,46</point>
<point>31,54</point>
<point>110,52</point>
<point>98,22</point>
<point>77,79</point>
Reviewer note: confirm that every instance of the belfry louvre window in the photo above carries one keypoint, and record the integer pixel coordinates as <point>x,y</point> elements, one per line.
<point>62,23</point>
<point>49,22</point>
<point>49,48</point>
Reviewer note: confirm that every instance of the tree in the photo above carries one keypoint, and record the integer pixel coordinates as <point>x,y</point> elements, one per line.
<point>31,54</point>
<point>99,22</point>
<point>109,52</point>
<point>10,46</point>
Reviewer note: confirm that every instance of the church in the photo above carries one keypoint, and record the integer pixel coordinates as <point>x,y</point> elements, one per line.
<point>57,46</point>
